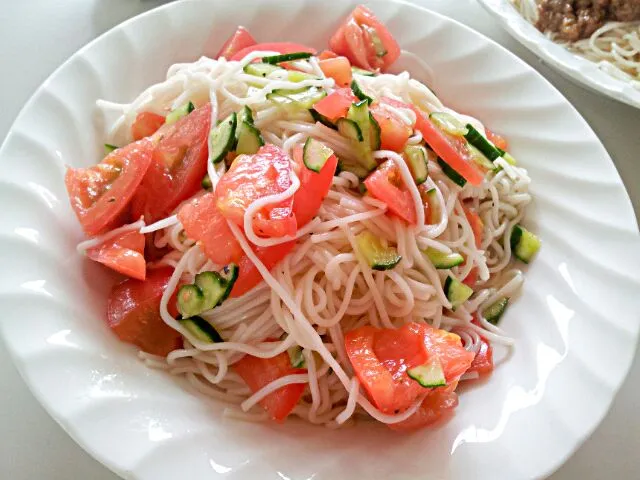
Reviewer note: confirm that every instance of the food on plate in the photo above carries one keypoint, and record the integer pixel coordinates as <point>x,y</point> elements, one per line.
<point>606,32</point>
<point>307,234</point>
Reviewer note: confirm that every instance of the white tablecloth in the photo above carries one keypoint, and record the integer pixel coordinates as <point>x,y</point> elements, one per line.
<point>38,35</point>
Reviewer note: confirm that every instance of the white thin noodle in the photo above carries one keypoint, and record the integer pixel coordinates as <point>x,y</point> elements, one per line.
<point>324,288</point>
<point>614,47</point>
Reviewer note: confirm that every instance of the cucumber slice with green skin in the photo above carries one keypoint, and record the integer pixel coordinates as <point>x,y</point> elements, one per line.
<point>286,57</point>
<point>416,156</point>
<point>222,138</point>
<point>375,39</point>
<point>303,98</point>
<point>296,357</point>
<point>249,138</point>
<point>509,158</point>
<point>524,244</point>
<point>358,92</point>
<point>454,176</point>
<point>260,69</point>
<point>362,188</point>
<point>475,138</point>
<point>296,76</point>
<point>360,71</point>
<point>429,375</point>
<point>108,148</point>
<point>443,261</point>
<point>376,133</point>
<point>179,113</point>
<point>355,168</point>
<point>201,329</point>
<point>493,313</point>
<point>349,129</point>
<point>456,291</point>
<point>318,117</point>
<point>206,183</point>
<point>479,158</point>
<point>435,212</point>
<point>448,123</point>
<point>359,113</point>
<point>379,256</point>
<point>190,300</point>
<point>315,154</point>
<point>245,114</point>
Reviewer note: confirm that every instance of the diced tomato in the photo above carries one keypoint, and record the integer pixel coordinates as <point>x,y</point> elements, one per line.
<point>133,313</point>
<point>252,177</point>
<point>337,68</point>
<point>336,105</point>
<point>477,226</point>
<point>100,195</point>
<point>325,54</point>
<point>146,124</point>
<point>428,209</point>
<point>240,39</point>
<point>314,187</point>
<point>472,277</point>
<point>394,133</point>
<point>248,274</point>
<point>259,372</point>
<point>179,163</point>
<point>437,406</point>
<point>203,222</point>
<point>124,254</point>
<point>483,362</point>
<point>280,47</point>
<point>497,140</point>
<point>386,184</point>
<point>355,40</point>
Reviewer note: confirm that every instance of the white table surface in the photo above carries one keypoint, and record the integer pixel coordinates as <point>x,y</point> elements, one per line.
<point>38,35</point>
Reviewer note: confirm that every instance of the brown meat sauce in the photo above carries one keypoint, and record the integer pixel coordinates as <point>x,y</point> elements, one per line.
<point>573,20</point>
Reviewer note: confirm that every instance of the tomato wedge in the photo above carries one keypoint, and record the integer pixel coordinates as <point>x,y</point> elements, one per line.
<point>498,140</point>
<point>394,133</point>
<point>259,372</point>
<point>133,313</point>
<point>365,41</point>
<point>252,177</point>
<point>100,195</point>
<point>483,362</point>
<point>337,68</point>
<point>248,274</point>
<point>386,184</point>
<point>280,47</point>
<point>146,124</point>
<point>327,54</point>
<point>477,226</point>
<point>240,39</point>
<point>203,222</point>
<point>336,105</point>
<point>179,163</point>
<point>472,277</point>
<point>124,254</point>
<point>437,406</point>
<point>455,360</point>
<point>314,187</point>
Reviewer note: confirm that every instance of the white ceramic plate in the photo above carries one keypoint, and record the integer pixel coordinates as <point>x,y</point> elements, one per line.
<point>576,322</point>
<point>576,68</point>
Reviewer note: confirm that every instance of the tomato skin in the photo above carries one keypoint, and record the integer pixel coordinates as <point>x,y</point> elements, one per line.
<point>476,223</point>
<point>240,39</point>
<point>337,68</point>
<point>259,372</point>
<point>336,105</point>
<point>100,195</point>
<point>325,54</point>
<point>280,47</point>
<point>383,185</point>
<point>124,254</point>
<point>179,163</point>
<point>203,222</point>
<point>436,407</point>
<point>146,124</point>
<point>483,361</point>
<point>498,140</point>
<point>133,313</point>
<point>394,133</point>
<point>472,277</point>
<point>353,40</point>
<point>249,276</point>
<point>252,177</point>
<point>314,187</point>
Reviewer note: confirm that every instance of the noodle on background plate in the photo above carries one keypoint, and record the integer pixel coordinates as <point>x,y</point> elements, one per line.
<point>324,288</point>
